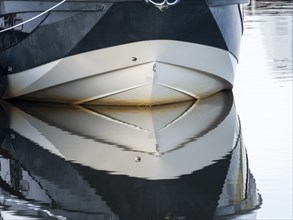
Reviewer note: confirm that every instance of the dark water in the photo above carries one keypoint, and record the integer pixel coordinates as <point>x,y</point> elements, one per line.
<point>183,161</point>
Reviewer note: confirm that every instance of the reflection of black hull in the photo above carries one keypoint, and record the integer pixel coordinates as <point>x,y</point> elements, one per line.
<point>130,33</point>
<point>192,196</point>
<point>4,122</point>
<point>80,192</point>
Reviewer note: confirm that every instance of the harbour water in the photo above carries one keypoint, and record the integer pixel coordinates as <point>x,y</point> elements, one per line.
<point>228,156</point>
<point>263,94</point>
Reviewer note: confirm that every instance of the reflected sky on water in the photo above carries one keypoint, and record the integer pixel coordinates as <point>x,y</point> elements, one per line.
<point>263,96</point>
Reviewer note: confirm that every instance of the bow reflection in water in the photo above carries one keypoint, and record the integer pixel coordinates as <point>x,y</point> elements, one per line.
<point>180,161</point>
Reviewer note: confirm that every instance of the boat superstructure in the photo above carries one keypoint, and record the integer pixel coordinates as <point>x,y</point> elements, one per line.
<point>121,52</point>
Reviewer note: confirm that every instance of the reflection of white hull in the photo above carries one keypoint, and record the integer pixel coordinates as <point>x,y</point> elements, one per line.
<point>210,129</point>
<point>141,73</point>
<point>97,162</point>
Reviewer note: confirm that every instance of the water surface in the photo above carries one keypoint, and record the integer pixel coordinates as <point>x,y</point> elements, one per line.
<point>263,94</point>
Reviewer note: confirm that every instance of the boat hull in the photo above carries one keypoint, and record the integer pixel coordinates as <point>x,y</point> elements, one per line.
<point>125,53</point>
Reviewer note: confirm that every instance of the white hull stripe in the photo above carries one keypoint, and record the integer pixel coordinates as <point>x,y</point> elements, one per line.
<point>147,59</point>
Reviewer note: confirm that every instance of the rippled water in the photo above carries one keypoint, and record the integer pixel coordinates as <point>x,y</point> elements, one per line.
<point>183,161</point>
<point>263,94</point>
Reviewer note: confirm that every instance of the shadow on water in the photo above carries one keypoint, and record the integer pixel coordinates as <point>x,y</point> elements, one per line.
<point>180,161</point>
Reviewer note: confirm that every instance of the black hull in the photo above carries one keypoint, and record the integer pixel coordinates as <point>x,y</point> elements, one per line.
<point>82,26</point>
